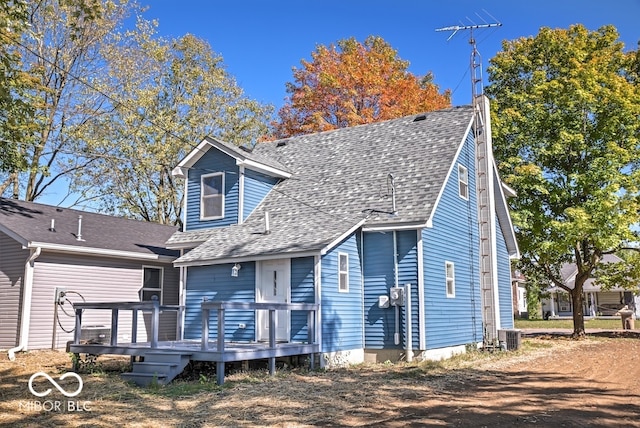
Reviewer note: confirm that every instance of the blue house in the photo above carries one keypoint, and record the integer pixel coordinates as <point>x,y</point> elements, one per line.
<point>398,230</point>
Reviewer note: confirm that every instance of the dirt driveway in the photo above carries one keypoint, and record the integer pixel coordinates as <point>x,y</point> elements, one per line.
<point>552,382</point>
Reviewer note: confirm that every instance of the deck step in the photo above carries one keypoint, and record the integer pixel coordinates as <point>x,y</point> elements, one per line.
<point>158,367</point>
<point>145,379</point>
<point>153,367</point>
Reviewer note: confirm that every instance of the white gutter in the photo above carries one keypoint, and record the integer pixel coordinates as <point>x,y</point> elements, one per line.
<point>27,289</point>
<point>96,251</point>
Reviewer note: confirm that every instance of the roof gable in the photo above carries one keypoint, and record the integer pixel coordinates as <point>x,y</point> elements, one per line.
<point>244,157</point>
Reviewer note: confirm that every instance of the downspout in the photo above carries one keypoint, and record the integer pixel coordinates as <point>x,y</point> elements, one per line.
<point>396,336</point>
<point>25,317</point>
<point>409,326</point>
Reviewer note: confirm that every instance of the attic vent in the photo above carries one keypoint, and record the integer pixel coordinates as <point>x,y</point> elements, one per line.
<point>420,117</point>
<point>281,144</point>
<point>246,149</point>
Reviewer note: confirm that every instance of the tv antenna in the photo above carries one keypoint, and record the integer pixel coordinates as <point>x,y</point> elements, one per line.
<point>476,60</point>
<point>484,191</point>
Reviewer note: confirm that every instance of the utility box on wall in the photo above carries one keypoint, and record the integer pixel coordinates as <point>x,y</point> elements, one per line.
<point>396,296</point>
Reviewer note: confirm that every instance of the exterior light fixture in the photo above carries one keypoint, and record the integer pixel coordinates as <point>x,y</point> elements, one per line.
<point>235,269</point>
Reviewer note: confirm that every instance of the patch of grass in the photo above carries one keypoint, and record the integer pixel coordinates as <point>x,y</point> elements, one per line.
<point>607,324</point>
<point>181,389</point>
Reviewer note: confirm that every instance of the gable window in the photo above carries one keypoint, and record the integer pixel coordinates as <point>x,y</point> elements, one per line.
<point>212,196</point>
<point>343,272</point>
<point>151,284</point>
<point>463,182</point>
<point>450,279</point>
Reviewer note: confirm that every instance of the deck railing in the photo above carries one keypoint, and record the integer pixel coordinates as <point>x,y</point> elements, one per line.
<point>222,306</point>
<point>153,306</point>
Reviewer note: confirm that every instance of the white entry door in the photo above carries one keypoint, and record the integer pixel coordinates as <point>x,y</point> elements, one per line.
<point>273,285</point>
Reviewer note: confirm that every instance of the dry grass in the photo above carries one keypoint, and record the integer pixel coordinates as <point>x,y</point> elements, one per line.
<point>367,394</point>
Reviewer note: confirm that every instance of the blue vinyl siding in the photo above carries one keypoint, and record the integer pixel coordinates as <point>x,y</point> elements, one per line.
<point>505,299</point>
<point>256,187</point>
<point>211,162</point>
<point>453,238</point>
<point>342,312</point>
<point>408,274</point>
<point>216,283</point>
<point>302,291</point>
<point>379,277</point>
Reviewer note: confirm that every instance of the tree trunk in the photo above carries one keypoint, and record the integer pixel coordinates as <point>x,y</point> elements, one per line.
<point>577,301</point>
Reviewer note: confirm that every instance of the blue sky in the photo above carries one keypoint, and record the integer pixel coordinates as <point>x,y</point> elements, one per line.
<point>262,40</point>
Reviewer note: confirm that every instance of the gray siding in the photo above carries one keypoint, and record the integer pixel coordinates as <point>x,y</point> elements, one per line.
<point>12,260</point>
<point>95,280</point>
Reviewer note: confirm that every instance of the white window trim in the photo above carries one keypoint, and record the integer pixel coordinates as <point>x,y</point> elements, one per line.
<point>202,196</point>
<point>143,289</point>
<point>340,272</point>
<point>463,178</point>
<point>448,278</point>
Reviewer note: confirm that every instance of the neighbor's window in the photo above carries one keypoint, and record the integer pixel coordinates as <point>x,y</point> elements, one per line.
<point>151,284</point>
<point>212,196</point>
<point>343,272</point>
<point>463,181</point>
<point>451,279</point>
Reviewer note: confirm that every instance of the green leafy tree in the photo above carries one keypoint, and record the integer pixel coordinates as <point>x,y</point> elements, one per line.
<point>566,109</point>
<point>179,94</point>
<point>351,84</point>
<point>15,113</point>
<point>60,53</point>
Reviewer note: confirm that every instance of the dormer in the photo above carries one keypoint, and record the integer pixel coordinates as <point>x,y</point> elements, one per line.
<point>224,183</point>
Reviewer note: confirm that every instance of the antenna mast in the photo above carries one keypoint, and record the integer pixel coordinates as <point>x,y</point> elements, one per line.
<point>476,60</point>
<point>489,295</point>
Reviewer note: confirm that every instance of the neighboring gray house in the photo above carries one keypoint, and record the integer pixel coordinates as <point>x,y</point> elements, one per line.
<point>53,257</point>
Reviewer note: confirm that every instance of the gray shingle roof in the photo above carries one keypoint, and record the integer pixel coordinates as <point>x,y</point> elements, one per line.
<point>340,178</point>
<point>30,222</point>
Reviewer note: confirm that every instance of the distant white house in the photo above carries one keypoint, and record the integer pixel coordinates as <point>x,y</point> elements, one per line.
<point>596,301</point>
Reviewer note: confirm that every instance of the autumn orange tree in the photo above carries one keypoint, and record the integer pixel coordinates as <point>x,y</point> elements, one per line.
<point>354,83</point>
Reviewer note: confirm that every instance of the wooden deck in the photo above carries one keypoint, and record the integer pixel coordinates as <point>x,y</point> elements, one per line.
<point>218,351</point>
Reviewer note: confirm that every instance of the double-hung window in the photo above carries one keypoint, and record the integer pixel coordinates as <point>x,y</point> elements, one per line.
<point>212,196</point>
<point>463,182</point>
<point>450,279</point>
<point>343,272</point>
<point>151,284</point>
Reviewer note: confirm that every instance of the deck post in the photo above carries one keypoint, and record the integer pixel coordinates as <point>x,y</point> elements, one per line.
<point>220,330</point>
<point>134,326</point>
<point>77,334</point>
<point>272,340</point>
<point>114,327</point>
<point>205,329</point>
<point>311,336</point>
<point>220,372</point>
<point>155,322</point>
